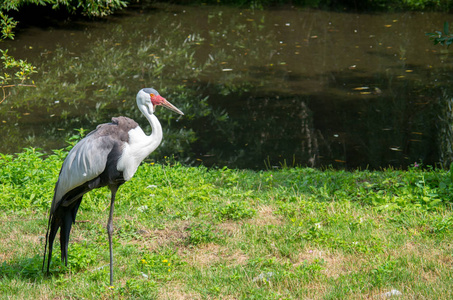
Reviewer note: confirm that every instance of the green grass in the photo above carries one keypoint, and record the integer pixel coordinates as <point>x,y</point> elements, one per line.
<point>197,233</point>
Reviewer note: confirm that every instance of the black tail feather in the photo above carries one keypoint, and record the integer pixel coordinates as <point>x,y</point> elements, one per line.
<point>65,231</point>
<point>62,218</point>
<point>52,229</point>
<point>45,247</point>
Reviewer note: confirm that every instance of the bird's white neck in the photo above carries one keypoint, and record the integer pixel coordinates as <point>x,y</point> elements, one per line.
<point>153,140</point>
<point>139,145</point>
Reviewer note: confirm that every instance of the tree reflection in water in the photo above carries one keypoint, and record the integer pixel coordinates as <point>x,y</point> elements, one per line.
<point>259,88</point>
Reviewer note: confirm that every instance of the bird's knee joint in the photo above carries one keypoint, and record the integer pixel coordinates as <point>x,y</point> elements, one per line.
<point>109,229</point>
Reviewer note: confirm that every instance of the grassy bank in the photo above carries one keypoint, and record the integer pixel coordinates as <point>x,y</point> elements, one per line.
<point>197,233</point>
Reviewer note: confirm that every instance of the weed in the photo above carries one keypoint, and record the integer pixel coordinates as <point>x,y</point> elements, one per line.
<point>235,211</point>
<point>158,266</point>
<point>202,234</point>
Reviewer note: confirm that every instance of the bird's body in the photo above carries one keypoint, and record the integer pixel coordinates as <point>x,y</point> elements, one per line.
<point>108,156</point>
<point>84,166</point>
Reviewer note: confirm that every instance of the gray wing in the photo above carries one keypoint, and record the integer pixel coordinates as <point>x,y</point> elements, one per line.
<point>85,161</point>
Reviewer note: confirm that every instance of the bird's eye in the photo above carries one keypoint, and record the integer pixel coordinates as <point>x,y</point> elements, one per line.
<point>152,95</point>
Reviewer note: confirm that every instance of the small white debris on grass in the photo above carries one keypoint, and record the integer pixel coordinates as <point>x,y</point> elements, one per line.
<point>100,268</point>
<point>143,208</point>
<point>263,277</point>
<point>391,293</point>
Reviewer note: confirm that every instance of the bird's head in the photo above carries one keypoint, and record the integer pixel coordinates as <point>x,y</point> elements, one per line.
<point>149,98</point>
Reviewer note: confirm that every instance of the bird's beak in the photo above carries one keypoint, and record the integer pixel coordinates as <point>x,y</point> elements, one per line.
<point>170,106</point>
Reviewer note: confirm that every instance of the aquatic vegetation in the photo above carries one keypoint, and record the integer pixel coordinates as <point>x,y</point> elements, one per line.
<point>226,82</point>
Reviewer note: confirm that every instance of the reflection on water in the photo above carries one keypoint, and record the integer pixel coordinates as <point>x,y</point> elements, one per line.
<point>259,88</point>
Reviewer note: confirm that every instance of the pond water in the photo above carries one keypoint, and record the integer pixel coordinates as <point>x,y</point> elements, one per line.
<point>260,88</point>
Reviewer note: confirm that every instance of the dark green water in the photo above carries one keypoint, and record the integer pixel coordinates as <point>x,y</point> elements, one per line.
<point>259,88</point>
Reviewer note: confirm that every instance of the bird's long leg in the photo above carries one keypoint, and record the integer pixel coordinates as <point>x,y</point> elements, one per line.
<point>113,189</point>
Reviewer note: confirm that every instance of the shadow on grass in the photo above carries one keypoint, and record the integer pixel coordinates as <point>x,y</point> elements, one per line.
<point>27,268</point>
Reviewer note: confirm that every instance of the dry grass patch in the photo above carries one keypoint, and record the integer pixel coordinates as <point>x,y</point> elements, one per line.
<point>203,256</point>
<point>179,291</point>
<point>230,228</point>
<point>155,238</point>
<point>265,216</point>
<point>176,291</point>
<point>17,243</point>
<point>237,258</point>
<point>209,254</point>
<point>425,260</point>
<point>336,263</point>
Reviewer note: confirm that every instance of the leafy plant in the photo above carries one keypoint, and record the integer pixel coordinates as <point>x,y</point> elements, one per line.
<point>22,71</point>
<point>7,24</point>
<point>202,234</point>
<point>442,226</point>
<point>82,255</point>
<point>310,270</point>
<point>235,211</point>
<point>385,273</point>
<point>443,38</point>
<point>16,72</point>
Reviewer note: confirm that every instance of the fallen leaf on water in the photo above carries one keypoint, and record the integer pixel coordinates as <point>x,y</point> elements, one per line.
<point>361,88</point>
<point>388,26</point>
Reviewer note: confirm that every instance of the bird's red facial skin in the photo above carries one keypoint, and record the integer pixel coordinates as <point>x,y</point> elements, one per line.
<point>157,100</point>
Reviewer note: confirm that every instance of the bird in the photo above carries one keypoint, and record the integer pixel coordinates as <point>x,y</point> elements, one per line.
<point>107,156</point>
